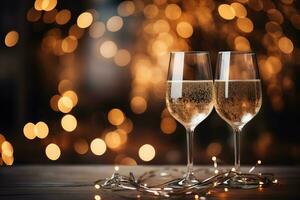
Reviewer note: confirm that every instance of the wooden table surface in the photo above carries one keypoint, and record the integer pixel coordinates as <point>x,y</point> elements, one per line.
<point>76,182</point>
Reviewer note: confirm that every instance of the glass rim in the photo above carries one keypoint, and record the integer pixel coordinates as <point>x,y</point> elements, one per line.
<point>238,52</point>
<point>190,52</point>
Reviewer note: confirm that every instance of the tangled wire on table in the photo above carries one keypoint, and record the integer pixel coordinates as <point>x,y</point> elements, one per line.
<point>136,187</point>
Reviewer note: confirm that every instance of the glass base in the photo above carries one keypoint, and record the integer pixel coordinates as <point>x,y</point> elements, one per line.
<point>184,182</point>
<point>244,181</point>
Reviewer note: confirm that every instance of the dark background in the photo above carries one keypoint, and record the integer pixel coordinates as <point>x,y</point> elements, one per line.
<point>29,77</point>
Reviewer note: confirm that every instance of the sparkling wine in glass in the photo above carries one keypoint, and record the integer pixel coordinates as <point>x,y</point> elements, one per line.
<point>189,97</point>
<point>238,99</point>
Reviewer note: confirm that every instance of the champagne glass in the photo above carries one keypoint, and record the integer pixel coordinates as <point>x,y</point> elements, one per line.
<point>238,99</point>
<point>189,97</point>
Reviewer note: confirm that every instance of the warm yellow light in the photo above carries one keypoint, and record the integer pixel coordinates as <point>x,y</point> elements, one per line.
<point>126,8</point>
<point>98,147</point>
<point>33,15</point>
<point>29,131</point>
<point>161,26</point>
<point>41,130</point>
<point>11,38</point>
<point>151,11</point>
<point>168,125</point>
<point>114,23</point>
<point>127,126</point>
<point>285,45</point>
<point>226,11</point>
<point>64,85</point>
<point>116,117</point>
<point>159,47</point>
<point>65,104</point>
<point>108,49</point>
<point>97,29</point>
<point>138,105</point>
<point>173,11</point>
<point>38,5</point>
<point>81,146</point>
<point>7,149</point>
<point>146,152</point>
<point>122,58</point>
<point>69,123</point>
<point>97,197</point>
<point>184,29</point>
<point>241,43</point>
<point>8,160</point>
<point>47,5</point>
<point>63,17</point>
<point>69,44</point>
<point>52,151</point>
<point>239,9</point>
<point>84,20</point>
<point>72,95</point>
<point>113,140</point>
<point>244,24</point>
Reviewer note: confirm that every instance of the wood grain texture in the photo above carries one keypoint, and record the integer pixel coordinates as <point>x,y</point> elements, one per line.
<point>76,183</point>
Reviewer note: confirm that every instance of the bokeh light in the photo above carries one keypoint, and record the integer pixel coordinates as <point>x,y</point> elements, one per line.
<point>239,9</point>
<point>84,20</point>
<point>33,15</point>
<point>69,44</point>
<point>184,29</point>
<point>98,147</point>
<point>122,58</point>
<point>29,131</point>
<point>138,105</point>
<point>226,11</point>
<point>168,125</point>
<point>146,152</point>
<point>63,17</point>
<point>151,11</point>
<point>69,123</point>
<point>53,151</point>
<point>113,140</point>
<point>108,49</point>
<point>65,104</point>
<point>127,126</point>
<point>81,146</point>
<point>64,85</point>
<point>116,116</point>
<point>11,38</point>
<point>41,130</point>
<point>126,8</point>
<point>71,95</point>
<point>285,45</point>
<point>245,24</point>
<point>114,23</point>
<point>97,29</point>
<point>173,11</point>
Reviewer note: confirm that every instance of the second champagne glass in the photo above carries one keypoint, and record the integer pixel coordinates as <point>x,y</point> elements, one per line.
<point>238,99</point>
<point>189,97</point>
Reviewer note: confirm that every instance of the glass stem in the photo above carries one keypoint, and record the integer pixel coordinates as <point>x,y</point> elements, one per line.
<point>237,152</point>
<point>190,151</point>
